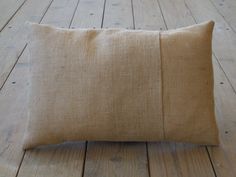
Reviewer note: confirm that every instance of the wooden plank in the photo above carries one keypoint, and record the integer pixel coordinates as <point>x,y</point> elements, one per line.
<point>57,160</point>
<point>224,156</point>
<point>147,15</point>
<point>170,159</point>
<point>8,9</point>
<point>224,38</point>
<point>227,9</point>
<point>176,14</point>
<point>118,14</point>
<point>116,159</point>
<point>12,37</point>
<point>61,13</point>
<point>90,10</point>
<point>13,116</point>
<point>173,159</point>
<point>13,95</point>
<point>13,111</point>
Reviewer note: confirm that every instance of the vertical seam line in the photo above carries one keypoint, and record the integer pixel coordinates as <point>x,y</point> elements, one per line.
<point>162,88</point>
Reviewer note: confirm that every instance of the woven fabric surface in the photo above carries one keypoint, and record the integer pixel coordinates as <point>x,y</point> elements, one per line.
<point>120,85</point>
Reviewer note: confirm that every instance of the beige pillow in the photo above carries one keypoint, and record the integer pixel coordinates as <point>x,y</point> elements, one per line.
<point>120,85</point>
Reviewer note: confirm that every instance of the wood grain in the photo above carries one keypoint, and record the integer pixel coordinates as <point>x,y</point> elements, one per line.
<point>55,160</point>
<point>89,14</point>
<point>176,159</point>
<point>116,159</point>
<point>8,9</point>
<point>150,19</point>
<point>13,36</point>
<point>118,14</point>
<point>224,38</point>
<point>176,14</point>
<point>60,13</point>
<point>224,156</point>
<point>13,113</point>
<point>13,108</point>
<point>227,9</point>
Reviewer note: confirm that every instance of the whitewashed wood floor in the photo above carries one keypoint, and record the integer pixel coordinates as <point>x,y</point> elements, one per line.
<point>100,159</point>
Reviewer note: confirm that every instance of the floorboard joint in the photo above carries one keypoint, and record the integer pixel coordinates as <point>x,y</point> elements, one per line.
<point>217,59</point>
<point>162,14</point>
<point>222,16</point>
<point>103,13</point>
<point>132,8</point>
<point>18,170</point>
<point>212,165</point>
<point>85,155</point>
<point>220,66</point>
<point>7,22</point>
<point>231,85</point>
<point>46,11</point>
<point>76,7</point>
<point>23,48</point>
<point>148,164</point>
<point>1,87</point>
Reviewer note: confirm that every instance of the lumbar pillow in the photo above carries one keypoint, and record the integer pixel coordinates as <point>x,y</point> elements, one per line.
<point>120,85</point>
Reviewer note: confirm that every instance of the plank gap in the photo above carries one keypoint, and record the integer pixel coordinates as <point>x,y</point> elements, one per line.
<point>164,20</point>
<point>222,16</point>
<point>148,164</point>
<point>132,8</point>
<point>226,76</point>
<point>85,157</point>
<point>12,16</point>
<point>212,165</point>
<point>21,161</point>
<point>103,13</point>
<point>13,67</point>
<point>46,11</point>
<point>76,7</point>
<point>21,52</point>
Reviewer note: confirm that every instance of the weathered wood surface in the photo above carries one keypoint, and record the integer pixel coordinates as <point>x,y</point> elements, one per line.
<point>13,94</point>
<point>227,9</point>
<point>224,38</point>
<point>118,14</point>
<point>89,14</point>
<point>114,159</point>
<point>8,9</point>
<point>13,36</point>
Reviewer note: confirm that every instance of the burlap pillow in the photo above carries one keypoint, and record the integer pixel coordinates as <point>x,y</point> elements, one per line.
<point>120,85</point>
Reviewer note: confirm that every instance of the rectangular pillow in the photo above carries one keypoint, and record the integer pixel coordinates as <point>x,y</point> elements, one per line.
<point>120,85</point>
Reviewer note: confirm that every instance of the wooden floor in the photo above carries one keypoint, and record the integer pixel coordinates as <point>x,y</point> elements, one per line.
<point>100,159</point>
